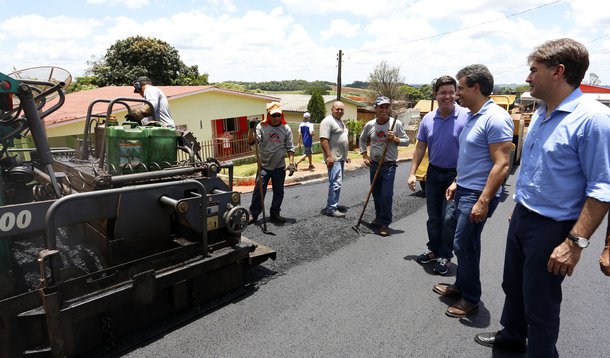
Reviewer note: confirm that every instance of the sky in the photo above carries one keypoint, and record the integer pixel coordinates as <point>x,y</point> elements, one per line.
<point>267,40</point>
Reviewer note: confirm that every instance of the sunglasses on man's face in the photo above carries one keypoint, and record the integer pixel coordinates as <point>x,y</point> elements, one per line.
<point>276,115</point>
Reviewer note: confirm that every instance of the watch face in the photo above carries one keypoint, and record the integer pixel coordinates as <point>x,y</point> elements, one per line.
<point>583,242</point>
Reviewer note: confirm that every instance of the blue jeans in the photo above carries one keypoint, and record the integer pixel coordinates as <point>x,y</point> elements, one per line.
<point>440,212</point>
<point>335,180</point>
<point>383,191</point>
<point>533,295</point>
<point>467,243</point>
<point>277,177</point>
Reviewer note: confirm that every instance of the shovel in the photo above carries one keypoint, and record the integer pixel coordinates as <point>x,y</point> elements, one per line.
<point>356,227</point>
<point>259,181</point>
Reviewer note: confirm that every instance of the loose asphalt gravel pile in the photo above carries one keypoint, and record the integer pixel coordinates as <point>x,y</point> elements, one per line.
<point>309,235</point>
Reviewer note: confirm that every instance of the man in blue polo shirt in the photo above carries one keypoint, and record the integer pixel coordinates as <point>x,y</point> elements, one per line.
<point>562,195</point>
<point>439,132</point>
<point>485,145</point>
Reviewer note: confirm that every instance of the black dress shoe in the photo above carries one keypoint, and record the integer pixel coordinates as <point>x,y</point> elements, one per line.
<point>496,341</point>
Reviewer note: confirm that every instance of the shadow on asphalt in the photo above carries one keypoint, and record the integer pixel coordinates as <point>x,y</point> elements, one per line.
<point>428,268</point>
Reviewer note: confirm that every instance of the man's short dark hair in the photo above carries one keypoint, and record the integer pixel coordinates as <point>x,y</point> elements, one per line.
<point>444,80</point>
<point>478,74</point>
<point>572,54</point>
<point>144,80</point>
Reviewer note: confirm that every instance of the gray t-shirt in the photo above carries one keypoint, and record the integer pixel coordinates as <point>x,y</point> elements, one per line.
<point>159,101</point>
<point>274,144</point>
<point>335,131</point>
<point>378,134</point>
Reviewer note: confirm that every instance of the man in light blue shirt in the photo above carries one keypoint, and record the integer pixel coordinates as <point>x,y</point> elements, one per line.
<point>485,145</point>
<point>562,195</point>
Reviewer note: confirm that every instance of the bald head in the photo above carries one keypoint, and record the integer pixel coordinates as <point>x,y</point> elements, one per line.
<point>337,109</point>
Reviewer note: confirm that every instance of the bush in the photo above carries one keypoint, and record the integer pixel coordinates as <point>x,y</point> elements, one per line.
<point>354,128</point>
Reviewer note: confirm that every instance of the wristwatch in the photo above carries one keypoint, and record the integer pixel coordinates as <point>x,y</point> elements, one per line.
<point>580,241</point>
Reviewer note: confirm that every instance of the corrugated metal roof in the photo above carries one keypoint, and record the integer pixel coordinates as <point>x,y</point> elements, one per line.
<point>298,102</point>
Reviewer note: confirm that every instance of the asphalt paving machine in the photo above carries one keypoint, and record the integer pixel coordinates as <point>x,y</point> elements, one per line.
<point>102,240</point>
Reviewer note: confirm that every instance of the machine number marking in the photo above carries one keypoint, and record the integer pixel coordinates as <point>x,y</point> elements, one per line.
<point>9,220</point>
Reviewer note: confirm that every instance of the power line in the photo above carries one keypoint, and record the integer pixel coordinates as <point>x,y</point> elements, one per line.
<point>462,28</point>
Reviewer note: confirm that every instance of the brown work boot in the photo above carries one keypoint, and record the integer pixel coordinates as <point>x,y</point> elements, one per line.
<point>447,290</point>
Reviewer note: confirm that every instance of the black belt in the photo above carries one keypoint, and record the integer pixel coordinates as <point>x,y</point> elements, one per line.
<point>387,163</point>
<point>442,170</point>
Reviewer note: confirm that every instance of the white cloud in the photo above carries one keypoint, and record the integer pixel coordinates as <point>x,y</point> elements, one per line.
<point>39,27</point>
<point>130,4</point>
<point>364,8</point>
<point>223,5</point>
<point>340,28</point>
<point>591,13</point>
<point>288,39</point>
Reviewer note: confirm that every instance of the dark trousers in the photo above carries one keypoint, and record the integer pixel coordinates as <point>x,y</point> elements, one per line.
<point>440,211</point>
<point>467,243</point>
<point>533,295</point>
<point>277,176</point>
<point>383,191</point>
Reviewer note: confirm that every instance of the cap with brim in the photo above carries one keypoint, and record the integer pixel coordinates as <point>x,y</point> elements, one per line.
<point>274,107</point>
<point>381,100</point>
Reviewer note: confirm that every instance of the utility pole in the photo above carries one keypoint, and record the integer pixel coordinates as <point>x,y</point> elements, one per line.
<point>339,76</point>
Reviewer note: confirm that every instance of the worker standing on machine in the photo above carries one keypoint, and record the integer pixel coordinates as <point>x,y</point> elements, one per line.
<point>143,85</point>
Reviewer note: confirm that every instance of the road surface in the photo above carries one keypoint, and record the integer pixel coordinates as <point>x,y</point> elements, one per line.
<point>334,293</point>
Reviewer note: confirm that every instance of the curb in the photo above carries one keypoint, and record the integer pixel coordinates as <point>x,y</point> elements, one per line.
<point>244,182</point>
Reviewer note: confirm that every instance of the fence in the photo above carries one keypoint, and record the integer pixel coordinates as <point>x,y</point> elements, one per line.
<point>223,149</point>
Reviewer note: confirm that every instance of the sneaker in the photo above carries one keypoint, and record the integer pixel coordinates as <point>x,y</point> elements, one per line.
<point>342,208</point>
<point>427,257</point>
<point>384,231</point>
<point>334,214</point>
<point>312,168</point>
<point>441,266</point>
<point>253,219</point>
<point>376,222</point>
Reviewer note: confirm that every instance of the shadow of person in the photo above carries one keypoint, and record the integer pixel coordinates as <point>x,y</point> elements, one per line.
<point>282,223</point>
<point>480,319</point>
<point>429,267</point>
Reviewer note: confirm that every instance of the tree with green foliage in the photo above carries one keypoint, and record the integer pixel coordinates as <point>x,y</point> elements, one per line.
<point>426,91</point>
<point>522,88</point>
<point>137,56</point>
<point>316,107</point>
<point>82,84</point>
<point>323,90</point>
<point>232,86</point>
<point>412,95</point>
<point>358,84</point>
